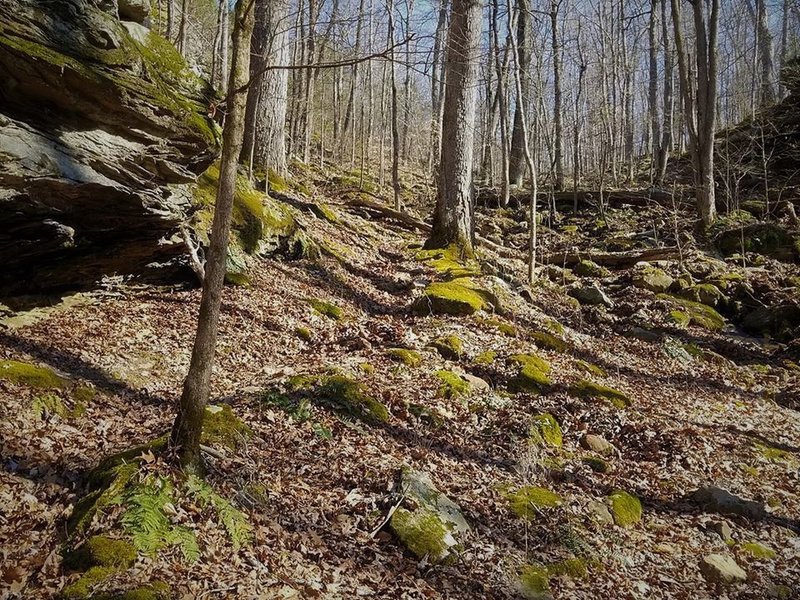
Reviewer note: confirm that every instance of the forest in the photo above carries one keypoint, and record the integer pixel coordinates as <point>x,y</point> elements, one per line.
<point>399,299</point>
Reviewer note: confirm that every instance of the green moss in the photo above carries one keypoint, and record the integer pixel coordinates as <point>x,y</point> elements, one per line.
<point>326,309</point>
<point>758,551</point>
<point>237,279</point>
<point>425,414</point>
<point>31,375</point>
<point>528,500</point>
<point>574,568</point>
<point>323,211</point>
<point>535,582</point>
<point>485,358</point>
<point>82,588</point>
<point>277,183</point>
<point>304,333</point>
<point>367,368</point>
<point>422,532</point>
<point>554,326</point>
<point>452,386</point>
<point>84,394</point>
<point>410,358</point>
<point>549,341</point>
<point>588,268</point>
<point>532,375</point>
<point>545,431</point>
<point>772,453</point>
<point>457,298</point>
<point>501,326</point>
<point>342,394</point>
<point>590,368</point>
<point>699,314</point>
<point>625,508</point>
<point>101,551</point>
<point>106,486</point>
<point>589,389</point>
<point>449,346</point>
<point>449,262</point>
<point>222,426</point>
<point>47,405</point>
<point>598,465</point>
<point>680,318</point>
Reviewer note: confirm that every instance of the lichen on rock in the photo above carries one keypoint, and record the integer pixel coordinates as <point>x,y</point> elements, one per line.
<point>527,501</point>
<point>532,375</point>
<point>625,508</point>
<point>450,347</point>
<point>452,385</point>
<point>459,298</point>
<point>588,389</point>
<point>410,358</point>
<point>545,431</point>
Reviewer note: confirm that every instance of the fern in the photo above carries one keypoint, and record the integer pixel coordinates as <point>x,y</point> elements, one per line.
<point>148,524</point>
<point>233,520</point>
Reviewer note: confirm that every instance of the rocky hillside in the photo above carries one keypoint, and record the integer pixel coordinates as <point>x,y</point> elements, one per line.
<point>102,125</point>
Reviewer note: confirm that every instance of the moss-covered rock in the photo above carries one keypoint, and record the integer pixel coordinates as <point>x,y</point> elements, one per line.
<point>527,501</point>
<point>652,278</point>
<point>485,358</point>
<point>450,347</point>
<point>704,293</point>
<point>625,508</point>
<point>679,318</point>
<point>699,314</point>
<point>532,375</point>
<point>545,431</point>
<point>769,239</point>
<point>501,326</point>
<point>588,389</point>
<point>82,588</point>
<point>574,568</point>
<point>304,333</point>
<point>431,525</point>
<point>342,394</point>
<point>588,268</point>
<point>326,309</point>
<point>22,373</point>
<point>535,582</point>
<point>591,368</point>
<point>452,385</point>
<point>410,358</point>
<point>757,551</point>
<point>101,551</point>
<point>449,262</point>
<point>459,297</point>
<point>547,340</point>
<point>221,426</point>
<point>598,465</point>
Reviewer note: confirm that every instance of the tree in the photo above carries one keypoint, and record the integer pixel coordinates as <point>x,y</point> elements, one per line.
<point>265,142</point>
<point>523,37</point>
<point>188,425</point>
<point>452,218</point>
<point>699,96</point>
<point>558,183</point>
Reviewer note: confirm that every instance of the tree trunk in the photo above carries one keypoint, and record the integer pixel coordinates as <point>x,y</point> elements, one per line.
<point>517,159</point>
<point>188,425</point>
<point>268,94</point>
<point>768,95</point>
<point>558,183</point>
<point>437,88</point>
<point>452,219</point>
<point>654,131</point>
<point>665,143</point>
<point>395,128</point>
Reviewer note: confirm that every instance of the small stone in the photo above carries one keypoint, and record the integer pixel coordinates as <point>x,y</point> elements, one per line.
<point>718,568</point>
<point>598,444</point>
<point>722,529</point>
<point>478,384</point>
<point>652,278</point>
<point>591,294</point>
<point>599,512</point>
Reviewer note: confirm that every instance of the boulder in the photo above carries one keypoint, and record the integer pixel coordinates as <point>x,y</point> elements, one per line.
<point>781,321</point>
<point>429,524</point>
<point>769,239</point>
<point>102,129</point>
<point>588,268</point>
<point>137,11</point>
<point>591,294</point>
<point>652,278</point>
<point>704,293</point>
<point>717,500</point>
<point>721,569</point>
<point>598,444</point>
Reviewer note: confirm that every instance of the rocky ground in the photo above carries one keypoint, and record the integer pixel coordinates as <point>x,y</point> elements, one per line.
<point>547,440</point>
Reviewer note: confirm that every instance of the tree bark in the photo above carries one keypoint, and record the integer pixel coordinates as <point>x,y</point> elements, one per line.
<point>268,95</point>
<point>452,219</point>
<point>558,183</point>
<point>517,159</point>
<point>188,425</point>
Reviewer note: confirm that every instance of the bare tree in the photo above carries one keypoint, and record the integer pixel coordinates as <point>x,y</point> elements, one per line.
<point>523,38</point>
<point>558,183</point>
<point>452,219</point>
<point>188,425</point>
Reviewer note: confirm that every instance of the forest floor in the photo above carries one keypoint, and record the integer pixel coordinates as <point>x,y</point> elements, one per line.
<point>315,484</point>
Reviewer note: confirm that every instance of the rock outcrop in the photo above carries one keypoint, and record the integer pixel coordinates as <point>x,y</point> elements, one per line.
<point>102,128</point>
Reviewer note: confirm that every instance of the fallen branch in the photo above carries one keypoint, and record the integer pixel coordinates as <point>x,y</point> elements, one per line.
<point>611,259</point>
<point>488,196</point>
<point>360,202</point>
<point>195,262</point>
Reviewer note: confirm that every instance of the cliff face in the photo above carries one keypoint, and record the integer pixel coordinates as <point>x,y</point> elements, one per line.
<point>102,128</point>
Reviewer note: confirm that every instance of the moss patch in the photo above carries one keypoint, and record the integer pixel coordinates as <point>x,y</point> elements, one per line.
<point>699,314</point>
<point>458,298</point>
<point>87,582</point>
<point>48,405</point>
<point>304,333</point>
<point>598,465</point>
<point>342,394</point>
<point>423,532</point>
<point>589,389</point>
<point>501,326</point>
<point>758,551</point>
<point>101,551</point>
<point>532,376</point>
<point>449,262</point>
<point>452,385</point>
<point>625,508</point>
<point>591,368</point>
<point>574,568</point>
<point>485,358</point>
<point>326,309</point>
<point>588,268</point>
<point>680,318</point>
<point>549,341</point>
<point>535,582</point>
<point>528,500</point>
<point>410,358</point>
<point>545,431</point>
<point>31,375</point>
<point>222,426</point>
<point>449,346</point>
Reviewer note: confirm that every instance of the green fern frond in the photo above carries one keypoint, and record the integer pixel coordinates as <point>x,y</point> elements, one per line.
<point>233,520</point>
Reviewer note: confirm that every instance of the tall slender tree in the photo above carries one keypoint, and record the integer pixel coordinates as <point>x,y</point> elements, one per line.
<point>188,425</point>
